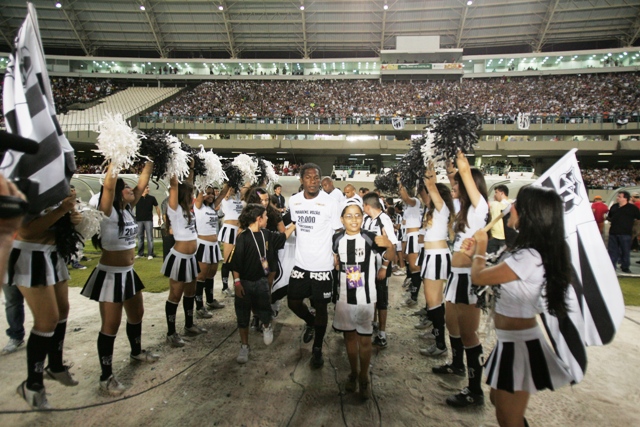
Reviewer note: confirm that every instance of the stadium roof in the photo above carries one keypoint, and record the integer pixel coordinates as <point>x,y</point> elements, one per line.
<point>320,28</point>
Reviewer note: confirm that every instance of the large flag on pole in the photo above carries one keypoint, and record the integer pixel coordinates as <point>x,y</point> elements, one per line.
<point>594,297</point>
<point>30,112</point>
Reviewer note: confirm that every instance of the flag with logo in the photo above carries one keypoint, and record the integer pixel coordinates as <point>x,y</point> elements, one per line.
<point>398,123</point>
<point>596,306</point>
<point>30,112</point>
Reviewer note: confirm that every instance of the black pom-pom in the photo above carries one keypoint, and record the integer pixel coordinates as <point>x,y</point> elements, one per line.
<point>387,182</point>
<point>155,147</point>
<point>68,240</point>
<point>456,131</point>
<point>236,180</point>
<point>411,167</point>
<point>199,168</point>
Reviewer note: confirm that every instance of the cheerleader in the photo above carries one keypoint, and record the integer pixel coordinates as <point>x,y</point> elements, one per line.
<point>462,315</point>
<point>208,253</point>
<point>40,273</point>
<point>180,266</point>
<point>114,283</point>
<point>412,223</point>
<point>536,271</point>
<point>436,263</point>
<point>231,205</point>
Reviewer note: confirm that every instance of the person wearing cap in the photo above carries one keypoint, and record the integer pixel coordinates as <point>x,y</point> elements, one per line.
<point>599,211</point>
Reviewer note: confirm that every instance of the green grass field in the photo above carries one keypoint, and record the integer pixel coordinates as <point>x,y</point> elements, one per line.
<point>154,281</point>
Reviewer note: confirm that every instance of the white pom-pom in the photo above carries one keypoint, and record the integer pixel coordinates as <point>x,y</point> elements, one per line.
<point>428,151</point>
<point>272,176</point>
<point>248,166</point>
<point>178,164</point>
<point>91,218</point>
<point>213,166</point>
<point>117,142</point>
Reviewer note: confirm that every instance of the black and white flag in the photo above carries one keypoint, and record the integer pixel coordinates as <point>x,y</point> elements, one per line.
<point>398,123</point>
<point>596,306</point>
<point>523,121</point>
<point>29,111</point>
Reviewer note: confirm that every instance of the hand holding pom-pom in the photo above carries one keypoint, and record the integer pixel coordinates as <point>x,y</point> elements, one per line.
<point>456,131</point>
<point>117,142</point>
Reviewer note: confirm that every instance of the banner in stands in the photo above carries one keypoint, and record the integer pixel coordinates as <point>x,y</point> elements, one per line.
<point>394,67</point>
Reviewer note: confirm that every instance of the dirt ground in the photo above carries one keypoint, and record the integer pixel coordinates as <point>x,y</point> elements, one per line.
<point>202,384</point>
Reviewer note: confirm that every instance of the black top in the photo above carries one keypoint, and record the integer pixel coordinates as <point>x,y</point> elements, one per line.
<point>144,208</point>
<point>245,258</point>
<point>280,204</point>
<point>622,218</point>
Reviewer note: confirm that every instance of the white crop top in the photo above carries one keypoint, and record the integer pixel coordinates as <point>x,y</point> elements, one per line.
<point>439,228</point>
<point>206,220</point>
<point>232,208</point>
<point>476,219</point>
<point>413,215</point>
<point>183,231</point>
<point>522,298</point>
<point>110,237</point>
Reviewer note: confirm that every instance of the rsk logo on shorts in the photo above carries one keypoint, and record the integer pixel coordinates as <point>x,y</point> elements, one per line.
<point>295,274</point>
<point>321,277</point>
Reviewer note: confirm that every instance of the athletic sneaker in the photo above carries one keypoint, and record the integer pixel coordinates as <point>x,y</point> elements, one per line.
<point>144,356</point>
<point>448,369</point>
<point>399,272</point>
<point>12,345</point>
<point>351,384</point>
<point>378,341</point>
<point>433,351</point>
<point>228,292</point>
<point>465,398</point>
<point>427,336</point>
<point>309,332</point>
<point>243,356</point>
<point>421,312</point>
<point>410,302</point>
<point>175,340</point>
<point>406,283</point>
<point>203,313</point>
<point>194,330</point>
<point>64,377</point>
<point>316,358</point>
<point>36,399</point>
<point>138,256</point>
<point>150,257</point>
<point>112,386</point>
<point>376,328</point>
<point>424,323</point>
<point>78,266</point>
<point>215,305</point>
<point>267,334</point>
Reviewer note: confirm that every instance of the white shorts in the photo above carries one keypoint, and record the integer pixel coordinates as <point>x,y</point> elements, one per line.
<point>350,317</point>
<point>229,233</point>
<point>436,264</point>
<point>208,252</point>
<point>35,264</point>
<point>524,361</point>
<point>112,284</point>
<point>413,246</point>
<point>458,289</point>
<point>180,267</point>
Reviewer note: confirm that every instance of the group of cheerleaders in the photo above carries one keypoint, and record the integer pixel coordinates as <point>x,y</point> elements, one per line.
<point>535,272</point>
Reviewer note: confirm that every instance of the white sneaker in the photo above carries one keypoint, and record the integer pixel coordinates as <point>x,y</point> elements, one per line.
<point>36,399</point>
<point>144,356</point>
<point>65,377</point>
<point>150,257</point>
<point>424,323</point>
<point>243,356</point>
<point>267,334</point>
<point>409,302</point>
<point>12,345</point>
<point>137,256</point>
<point>228,292</point>
<point>203,313</point>
<point>112,386</point>
<point>433,351</point>
<point>194,330</point>
<point>175,340</point>
<point>399,272</point>
<point>427,336</point>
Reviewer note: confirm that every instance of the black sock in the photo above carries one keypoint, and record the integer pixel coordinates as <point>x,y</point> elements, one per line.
<point>187,304</point>
<point>416,281</point>
<point>475,361</point>
<point>134,333</point>
<point>105,354</point>
<point>436,315</point>
<point>319,335</point>
<point>208,289</point>
<point>37,349</point>
<point>457,351</point>
<point>406,267</point>
<point>57,344</point>
<point>225,276</point>
<point>199,291</point>
<point>170,309</point>
<point>301,310</point>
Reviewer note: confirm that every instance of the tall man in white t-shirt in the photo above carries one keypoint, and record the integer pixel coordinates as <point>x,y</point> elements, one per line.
<point>317,216</point>
<point>328,187</point>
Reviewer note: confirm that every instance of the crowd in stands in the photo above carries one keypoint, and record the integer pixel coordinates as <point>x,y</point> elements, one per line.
<point>593,96</point>
<point>610,179</point>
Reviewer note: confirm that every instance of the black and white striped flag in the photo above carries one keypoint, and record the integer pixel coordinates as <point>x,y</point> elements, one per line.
<point>594,298</point>
<point>30,112</point>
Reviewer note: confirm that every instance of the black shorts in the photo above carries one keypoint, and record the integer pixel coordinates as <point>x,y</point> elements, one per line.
<point>382,289</point>
<point>310,284</point>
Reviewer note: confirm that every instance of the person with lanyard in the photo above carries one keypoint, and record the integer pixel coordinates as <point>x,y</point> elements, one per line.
<point>412,223</point>
<point>249,263</point>
<point>316,215</point>
<point>208,253</point>
<point>231,205</point>
<point>535,271</point>
<point>114,283</point>
<point>462,313</point>
<point>144,218</point>
<point>180,266</point>
<point>357,253</point>
<point>436,263</point>
<point>379,223</point>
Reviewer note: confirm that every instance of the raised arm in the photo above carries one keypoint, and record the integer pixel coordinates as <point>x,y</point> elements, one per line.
<point>467,179</point>
<point>430,184</point>
<point>199,199</point>
<point>173,193</point>
<point>408,200</point>
<point>143,182</point>
<point>108,191</point>
<point>221,196</point>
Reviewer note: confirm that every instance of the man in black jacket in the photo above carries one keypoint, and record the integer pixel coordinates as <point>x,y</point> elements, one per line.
<point>621,216</point>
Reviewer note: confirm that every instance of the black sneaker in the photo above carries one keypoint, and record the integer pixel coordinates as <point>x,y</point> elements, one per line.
<point>465,398</point>
<point>316,358</point>
<point>624,270</point>
<point>309,332</point>
<point>378,341</point>
<point>448,369</point>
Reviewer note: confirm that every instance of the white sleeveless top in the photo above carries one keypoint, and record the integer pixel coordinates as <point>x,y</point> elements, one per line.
<point>476,219</point>
<point>413,215</point>
<point>232,207</point>
<point>110,236</point>
<point>183,231</point>
<point>206,220</point>
<point>439,229</point>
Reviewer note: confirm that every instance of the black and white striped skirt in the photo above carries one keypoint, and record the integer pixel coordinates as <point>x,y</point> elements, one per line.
<point>524,361</point>
<point>35,264</point>
<point>112,284</point>
<point>228,233</point>
<point>208,252</point>
<point>413,247</point>
<point>436,264</point>
<point>458,289</point>
<point>180,267</point>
